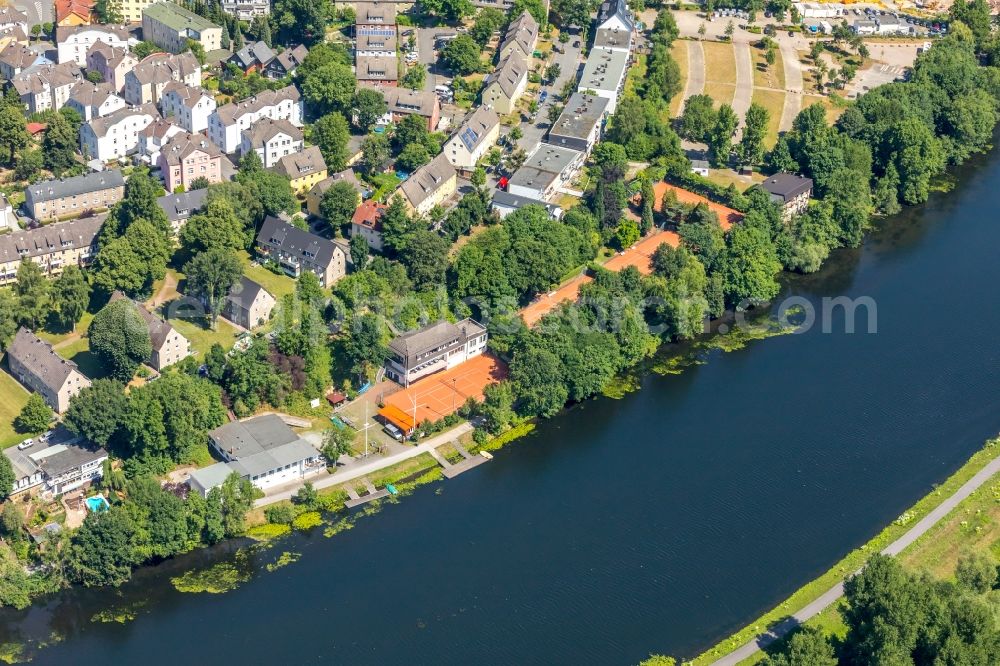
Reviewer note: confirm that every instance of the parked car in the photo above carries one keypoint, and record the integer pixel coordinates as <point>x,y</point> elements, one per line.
<point>26,444</point>
<point>393,432</point>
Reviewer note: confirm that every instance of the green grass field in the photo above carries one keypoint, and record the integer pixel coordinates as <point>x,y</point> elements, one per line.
<point>13,398</point>
<point>277,285</point>
<point>202,338</point>
<point>79,352</point>
<point>774,102</point>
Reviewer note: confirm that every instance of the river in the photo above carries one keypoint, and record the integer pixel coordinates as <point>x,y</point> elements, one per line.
<point>659,522</point>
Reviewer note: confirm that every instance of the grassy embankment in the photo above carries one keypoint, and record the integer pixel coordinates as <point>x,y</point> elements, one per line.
<point>945,541</point>
<point>720,71</point>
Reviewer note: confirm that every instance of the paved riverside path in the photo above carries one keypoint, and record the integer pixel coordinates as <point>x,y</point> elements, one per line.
<point>351,472</point>
<point>696,71</point>
<point>793,85</point>
<point>815,607</point>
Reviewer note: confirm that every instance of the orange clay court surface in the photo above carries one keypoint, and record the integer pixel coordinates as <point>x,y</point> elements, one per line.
<point>442,393</point>
<point>727,216</point>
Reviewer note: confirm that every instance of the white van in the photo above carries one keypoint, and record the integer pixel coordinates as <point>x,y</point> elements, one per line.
<point>26,444</point>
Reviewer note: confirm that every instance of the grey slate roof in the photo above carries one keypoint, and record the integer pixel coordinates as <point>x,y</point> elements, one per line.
<point>787,185</point>
<point>267,128</point>
<point>508,74</point>
<point>289,59</point>
<point>261,444</point>
<point>181,206</point>
<point>230,112</point>
<point>508,200</point>
<point>40,359</point>
<point>416,343</point>
<point>245,292</point>
<point>428,179</point>
<point>376,43</point>
<point>523,31</point>
<point>296,242</point>
<point>376,68</point>
<point>158,327</point>
<point>61,453</point>
<point>257,53</point>
<point>476,127</point>
<point>184,143</point>
<point>301,164</point>
<point>48,190</point>
<point>79,233</point>
<point>347,175</point>
<point>612,8</point>
<point>375,12</point>
<point>406,101</point>
<point>213,475</point>
<point>39,79</point>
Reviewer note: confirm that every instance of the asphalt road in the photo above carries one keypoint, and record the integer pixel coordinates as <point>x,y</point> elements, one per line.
<point>899,545</point>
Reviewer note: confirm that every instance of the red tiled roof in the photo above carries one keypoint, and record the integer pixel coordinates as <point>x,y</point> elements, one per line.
<point>82,8</point>
<point>35,128</point>
<point>369,214</point>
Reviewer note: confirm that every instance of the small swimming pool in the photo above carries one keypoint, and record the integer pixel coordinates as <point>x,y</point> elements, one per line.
<point>97,503</point>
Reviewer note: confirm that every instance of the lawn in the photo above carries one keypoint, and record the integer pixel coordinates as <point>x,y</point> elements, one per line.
<point>277,285</point>
<point>78,351</point>
<point>637,73</point>
<point>774,102</point>
<point>384,184</point>
<point>765,76</point>
<point>720,62</point>
<point>57,337</point>
<point>679,49</point>
<point>13,397</point>
<point>722,93</point>
<point>202,338</point>
<point>833,111</point>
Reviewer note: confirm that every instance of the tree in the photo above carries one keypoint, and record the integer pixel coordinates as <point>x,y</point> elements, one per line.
<point>197,50</point>
<point>415,77</point>
<point>329,88</point>
<point>109,12</point>
<point>572,12</point>
<point>139,203</point>
<point>462,56</point>
<point>34,417</point>
<point>210,276</point>
<point>365,346</point>
<point>306,496</point>
<point>331,134</point>
<point>698,118</point>
<point>426,258</point>
<point>701,31</point>
<point>648,201</point>
<point>806,647</point>
<point>369,105</point>
<point>374,152</point>
<point>337,442</point>
<point>7,478</point>
<point>105,548</point>
<point>13,132</point>
<point>217,227</point>
<point>200,183</point>
<point>32,290</point>
<point>770,57</point>
<point>96,412</point>
<point>413,157</point>
<point>537,376</point>
<point>359,251</point>
<point>488,21</point>
<point>299,21</point>
<point>272,190</point>
<point>730,29</point>
<point>752,144</point>
<point>338,204</point>
<point>720,140</point>
<point>749,265</point>
<point>29,163</point>
<point>119,337</point>
<point>976,572</point>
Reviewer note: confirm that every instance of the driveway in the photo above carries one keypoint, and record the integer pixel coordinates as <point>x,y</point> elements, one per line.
<point>569,62</point>
<point>428,56</point>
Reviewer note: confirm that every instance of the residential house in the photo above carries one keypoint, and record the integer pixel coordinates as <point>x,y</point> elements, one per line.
<point>12,17</point>
<point>13,35</point>
<point>93,100</point>
<point>246,10</point>
<point>374,17</point>
<point>474,138</point>
<point>790,192</point>
<point>70,197</point>
<point>47,86</point>
<point>39,368</point>
<point>187,157</point>
<point>505,85</point>
<point>430,185</point>
<point>376,45</point>
<point>145,83</point>
<point>58,464</point>
<point>700,167</point>
<point>262,450</point>
<point>227,123</point>
<point>170,26</point>
<point>615,26</point>
<point>252,57</point>
<point>181,206</point>
<point>272,140</point>
<point>367,223</point>
<point>297,251</point>
<point>17,57</point>
<point>316,192</point>
<point>169,346</point>
<point>248,304</point>
<point>152,139</point>
<point>52,247</point>
<point>187,106</point>
<point>111,63</point>
<point>546,170</point>
<point>132,9</point>
<point>604,73</point>
<point>304,169</point>
<point>433,348</point>
<point>580,123</point>
<point>505,203</point>
<point>377,71</point>
<point>73,42</point>
<point>74,12</point>
<point>116,135</point>
<point>402,102</point>
<point>285,63</point>
<point>521,37</point>
<point>8,220</point>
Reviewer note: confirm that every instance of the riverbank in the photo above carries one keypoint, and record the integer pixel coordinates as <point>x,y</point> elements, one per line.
<point>822,587</point>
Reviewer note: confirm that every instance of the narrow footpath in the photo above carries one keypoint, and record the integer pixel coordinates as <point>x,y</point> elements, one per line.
<point>696,71</point>
<point>817,606</point>
<point>356,470</point>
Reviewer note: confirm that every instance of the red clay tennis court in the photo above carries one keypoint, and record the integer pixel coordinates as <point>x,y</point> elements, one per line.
<point>727,216</point>
<point>640,255</point>
<point>443,393</point>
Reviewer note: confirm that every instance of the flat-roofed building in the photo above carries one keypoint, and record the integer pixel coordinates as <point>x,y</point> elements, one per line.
<point>790,192</point>
<point>546,170</point>
<point>246,10</point>
<point>579,125</point>
<point>604,73</point>
<point>170,26</point>
<point>38,367</point>
<point>434,348</point>
<point>57,465</point>
<point>68,197</point>
<point>505,203</point>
